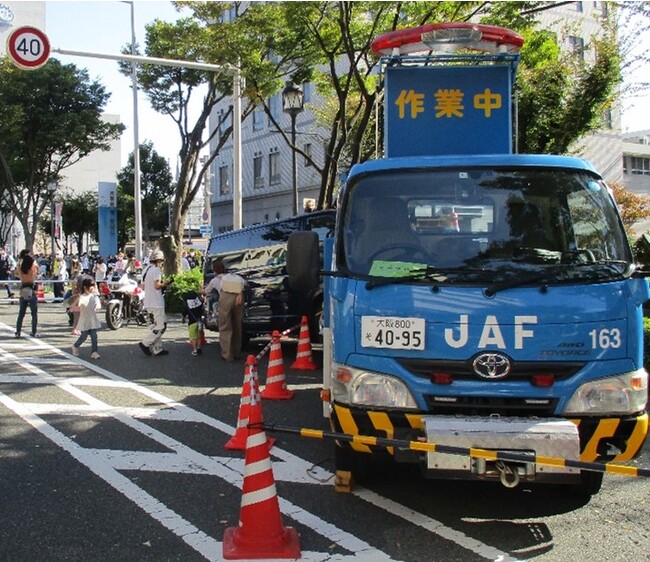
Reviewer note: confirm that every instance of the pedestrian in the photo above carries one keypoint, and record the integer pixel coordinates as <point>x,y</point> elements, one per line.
<point>85,264</point>
<point>60,276</point>
<point>120,263</point>
<point>185,262</point>
<point>7,266</point>
<point>100,271</point>
<point>88,323</point>
<point>154,304</point>
<point>230,287</point>
<point>194,313</point>
<point>72,303</point>
<point>27,272</point>
<point>75,268</point>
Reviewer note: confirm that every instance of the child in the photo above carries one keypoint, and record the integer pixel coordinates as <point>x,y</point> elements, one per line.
<point>88,324</point>
<point>194,313</point>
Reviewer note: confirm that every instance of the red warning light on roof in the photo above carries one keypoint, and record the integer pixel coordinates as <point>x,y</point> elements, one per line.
<point>448,37</point>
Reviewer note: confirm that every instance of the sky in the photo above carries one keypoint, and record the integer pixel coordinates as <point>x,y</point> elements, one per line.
<point>105,27</point>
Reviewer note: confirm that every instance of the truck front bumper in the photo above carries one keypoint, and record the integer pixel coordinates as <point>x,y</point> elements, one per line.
<point>611,439</point>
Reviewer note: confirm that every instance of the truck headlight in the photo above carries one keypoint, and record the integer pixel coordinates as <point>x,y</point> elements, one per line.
<point>365,388</point>
<point>622,394</point>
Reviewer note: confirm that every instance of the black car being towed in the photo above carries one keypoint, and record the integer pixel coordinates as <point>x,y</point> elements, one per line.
<point>258,254</point>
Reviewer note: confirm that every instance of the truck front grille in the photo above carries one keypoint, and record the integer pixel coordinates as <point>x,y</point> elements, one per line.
<point>485,406</point>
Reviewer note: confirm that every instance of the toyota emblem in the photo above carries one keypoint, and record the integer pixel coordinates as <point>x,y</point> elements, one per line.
<point>491,365</point>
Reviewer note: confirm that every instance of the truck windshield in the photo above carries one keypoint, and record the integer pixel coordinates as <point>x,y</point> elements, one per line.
<point>481,224</point>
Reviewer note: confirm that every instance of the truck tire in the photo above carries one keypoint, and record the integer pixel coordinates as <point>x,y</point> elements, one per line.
<point>114,315</point>
<point>590,483</point>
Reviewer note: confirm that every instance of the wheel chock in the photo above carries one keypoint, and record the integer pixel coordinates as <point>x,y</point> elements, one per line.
<point>343,481</point>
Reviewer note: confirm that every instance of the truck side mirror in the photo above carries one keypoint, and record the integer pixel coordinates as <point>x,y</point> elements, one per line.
<point>303,260</point>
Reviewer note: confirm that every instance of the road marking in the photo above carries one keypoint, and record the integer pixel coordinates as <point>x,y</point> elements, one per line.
<point>183,459</point>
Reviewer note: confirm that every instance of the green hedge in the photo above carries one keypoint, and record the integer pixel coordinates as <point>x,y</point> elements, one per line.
<point>183,282</point>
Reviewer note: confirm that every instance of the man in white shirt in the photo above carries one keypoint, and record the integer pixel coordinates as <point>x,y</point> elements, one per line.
<point>100,270</point>
<point>154,303</point>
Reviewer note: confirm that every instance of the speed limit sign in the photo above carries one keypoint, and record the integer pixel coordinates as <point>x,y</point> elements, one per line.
<point>28,47</point>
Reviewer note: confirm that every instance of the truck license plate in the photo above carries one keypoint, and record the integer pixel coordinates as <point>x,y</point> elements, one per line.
<point>392,332</point>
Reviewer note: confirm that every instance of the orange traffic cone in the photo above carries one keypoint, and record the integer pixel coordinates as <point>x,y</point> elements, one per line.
<point>276,384</point>
<point>304,361</point>
<point>260,534</point>
<point>40,294</point>
<point>238,440</point>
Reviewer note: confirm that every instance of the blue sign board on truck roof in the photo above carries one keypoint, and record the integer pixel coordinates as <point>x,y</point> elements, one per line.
<point>448,110</point>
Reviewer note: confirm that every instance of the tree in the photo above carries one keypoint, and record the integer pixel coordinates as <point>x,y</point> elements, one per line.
<point>329,44</point>
<point>633,207</point>
<point>170,91</point>
<point>80,217</point>
<point>156,188</point>
<point>562,97</point>
<point>51,118</point>
<point>267,51</point>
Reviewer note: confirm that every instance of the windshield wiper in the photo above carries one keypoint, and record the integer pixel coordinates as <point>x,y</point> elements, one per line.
<point>592,270</point>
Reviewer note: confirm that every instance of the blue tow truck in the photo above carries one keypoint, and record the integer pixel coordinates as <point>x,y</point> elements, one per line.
<point>476,297</point>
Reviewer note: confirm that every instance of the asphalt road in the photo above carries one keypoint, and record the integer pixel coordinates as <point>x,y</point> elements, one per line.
<point>124,459</point>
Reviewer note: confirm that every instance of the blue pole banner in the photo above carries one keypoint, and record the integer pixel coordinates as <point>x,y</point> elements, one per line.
<point>107,198</point>
<point>448,110</point>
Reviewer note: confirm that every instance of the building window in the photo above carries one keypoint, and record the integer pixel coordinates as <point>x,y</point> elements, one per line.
<point>578,6</point>
<point>640,166</point>
<point>224,180</point>
<point>258,119</point>
<point>274,167</point>
<point>275,107</point>
<point>307,150</point>
<point>258,178</point>
<point>577,46</point>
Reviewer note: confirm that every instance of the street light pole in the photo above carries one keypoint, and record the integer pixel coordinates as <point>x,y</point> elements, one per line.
<point>292,103</point>
<point>136,145</point>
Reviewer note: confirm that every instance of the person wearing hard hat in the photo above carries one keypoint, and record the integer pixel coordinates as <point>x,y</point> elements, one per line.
<point>154,303</point>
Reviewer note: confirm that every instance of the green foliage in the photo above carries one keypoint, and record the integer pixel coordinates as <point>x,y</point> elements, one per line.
<point>185,281</point>
<point>51,118</point>
<point>561,96</point>
<point>80,216</point>
<point>641,250</point>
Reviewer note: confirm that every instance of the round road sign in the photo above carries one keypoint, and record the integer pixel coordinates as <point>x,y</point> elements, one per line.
<point>28,47</point>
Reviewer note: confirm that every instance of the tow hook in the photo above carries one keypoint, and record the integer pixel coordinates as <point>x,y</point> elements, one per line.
<point>509,477</point>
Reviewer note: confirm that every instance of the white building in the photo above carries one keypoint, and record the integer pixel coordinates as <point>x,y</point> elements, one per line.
<point>636,162</point>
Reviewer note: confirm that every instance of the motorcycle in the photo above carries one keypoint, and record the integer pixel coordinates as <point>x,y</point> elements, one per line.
<point>124,301</point>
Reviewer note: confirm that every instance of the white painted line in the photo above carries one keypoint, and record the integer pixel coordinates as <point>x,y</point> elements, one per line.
<point>184,459</point>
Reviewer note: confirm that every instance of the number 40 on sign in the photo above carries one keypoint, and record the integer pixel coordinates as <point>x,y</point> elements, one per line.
<point>28,47</point>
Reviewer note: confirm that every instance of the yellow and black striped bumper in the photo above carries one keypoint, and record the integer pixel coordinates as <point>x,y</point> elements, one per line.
<point>601,440</point>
